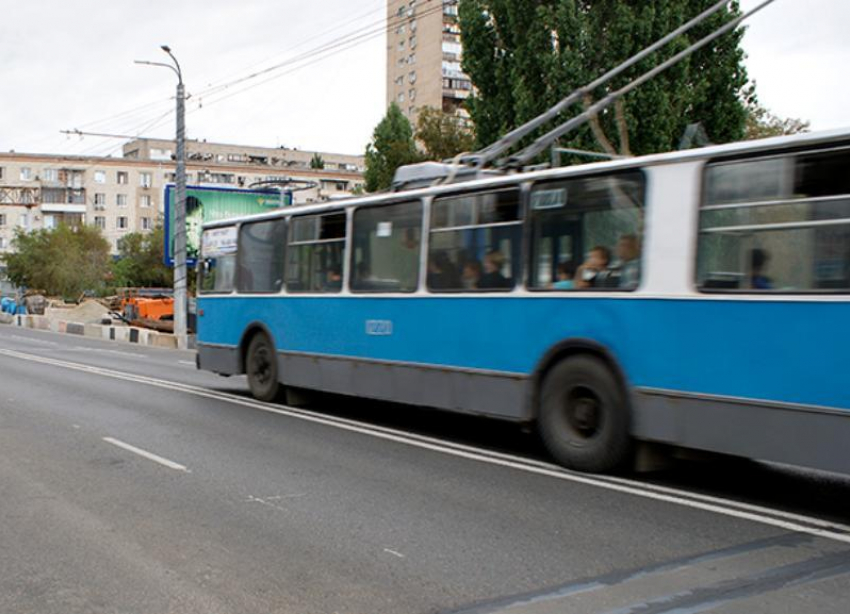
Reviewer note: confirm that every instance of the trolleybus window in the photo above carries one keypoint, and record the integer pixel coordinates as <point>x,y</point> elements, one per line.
<point>260,258</point>
<point>586,233</point>
<point>778,224</point>
<point>218,260</point>
<point>386,248</point>
<point>475,242</point>
<point>314,254</point>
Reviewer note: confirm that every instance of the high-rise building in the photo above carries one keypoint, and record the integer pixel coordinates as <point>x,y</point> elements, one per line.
<point>423,57</point>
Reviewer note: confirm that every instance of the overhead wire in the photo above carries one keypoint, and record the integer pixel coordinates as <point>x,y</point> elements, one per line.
<point>144,111</point>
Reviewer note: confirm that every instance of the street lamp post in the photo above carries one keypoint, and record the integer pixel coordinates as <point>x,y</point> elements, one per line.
<point>180,273</point>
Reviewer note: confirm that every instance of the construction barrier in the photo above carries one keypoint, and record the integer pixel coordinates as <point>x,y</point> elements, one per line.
<point>125,334</point>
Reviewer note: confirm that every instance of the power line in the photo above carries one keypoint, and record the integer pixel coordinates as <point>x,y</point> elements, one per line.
<point>314,56</point>
<point>135,111</point>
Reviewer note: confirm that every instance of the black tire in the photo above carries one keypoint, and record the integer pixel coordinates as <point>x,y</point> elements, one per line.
<point>584,417</point>
<point>261,368</point>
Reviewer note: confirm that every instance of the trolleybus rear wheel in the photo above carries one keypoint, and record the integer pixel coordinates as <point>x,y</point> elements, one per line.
<point>261,368</point>
<point>584,420</point>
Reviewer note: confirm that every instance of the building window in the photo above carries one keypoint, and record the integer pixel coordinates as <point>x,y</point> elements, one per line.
<point>121,223</point>
<point>121,200</point>
<point>146,223</point>
<point>2,173</point>
<point>145,200</point>
<point>2,243</point>
<point>412,95</point>
<point>2,219</point>
<point>100,222</point>
<point>123,178</point>
<point>401,97</point>
<point>51,174</point>
<point>160,154</point>
<point>412,42</point>
<point>401,45</point>
<point>100,176</point>
<point>23,220</point>
<point>411,59</point>
<point>145,180</point>
<point>26,173</point>
<point>99,202</point>
<point>412,76</point>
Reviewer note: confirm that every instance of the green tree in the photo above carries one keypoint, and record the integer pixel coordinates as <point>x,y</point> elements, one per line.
<point>392,146</point>
<point>525,55</point>
<point>761,123</point>
<point>64,261</point>
<point>140,262</point>
<point>443,135</point>
<point>317,162</point>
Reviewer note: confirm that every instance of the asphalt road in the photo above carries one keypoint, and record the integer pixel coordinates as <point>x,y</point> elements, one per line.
<point>131,483</point>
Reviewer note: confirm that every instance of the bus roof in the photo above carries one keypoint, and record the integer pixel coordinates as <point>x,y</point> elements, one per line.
<point>715,151</point>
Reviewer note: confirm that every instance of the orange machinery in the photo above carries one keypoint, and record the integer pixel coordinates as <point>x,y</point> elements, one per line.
<point>146,303</point>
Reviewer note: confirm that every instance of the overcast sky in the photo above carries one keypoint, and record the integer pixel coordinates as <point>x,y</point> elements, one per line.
<point>69,64</point>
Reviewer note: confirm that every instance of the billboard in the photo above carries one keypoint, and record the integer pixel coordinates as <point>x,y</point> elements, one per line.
<point>205,204</point>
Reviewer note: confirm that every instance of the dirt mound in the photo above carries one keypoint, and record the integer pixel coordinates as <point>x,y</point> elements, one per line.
<point>88,312</point>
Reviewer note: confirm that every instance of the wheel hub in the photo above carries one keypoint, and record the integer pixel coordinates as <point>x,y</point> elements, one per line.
<point>583,410</point>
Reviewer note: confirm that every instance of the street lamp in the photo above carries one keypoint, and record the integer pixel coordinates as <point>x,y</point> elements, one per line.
<point>180,275</point>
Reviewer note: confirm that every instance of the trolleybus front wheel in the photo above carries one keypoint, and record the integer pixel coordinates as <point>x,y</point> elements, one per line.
<point>261,368</point>
<point>584,419</point>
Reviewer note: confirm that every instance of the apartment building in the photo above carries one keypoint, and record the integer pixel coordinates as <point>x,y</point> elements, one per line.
<point>123,195</point>
<point>424,56</point>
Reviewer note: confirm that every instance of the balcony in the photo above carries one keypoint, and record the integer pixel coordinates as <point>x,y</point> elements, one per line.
<point>63,208</point>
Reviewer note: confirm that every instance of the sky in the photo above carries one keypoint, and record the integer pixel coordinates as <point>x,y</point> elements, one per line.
<point>70,65</point>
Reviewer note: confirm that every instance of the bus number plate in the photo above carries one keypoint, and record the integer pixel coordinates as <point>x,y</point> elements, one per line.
<point>379,328</point>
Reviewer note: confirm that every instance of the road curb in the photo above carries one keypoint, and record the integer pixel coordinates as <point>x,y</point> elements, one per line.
<point>120,334</point>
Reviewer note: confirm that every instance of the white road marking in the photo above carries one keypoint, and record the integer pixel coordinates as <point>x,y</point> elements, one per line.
<point>145,454</point>
<point>394,553</point>
<point>186,362</point>
<point>32,340</point>
<point>762,515</point>
<point>82,348</point>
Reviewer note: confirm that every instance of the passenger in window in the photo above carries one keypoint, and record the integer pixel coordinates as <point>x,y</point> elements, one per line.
<point>565,273</point>
<point>333,282</point>
<point>594,272</point>
<point>628,251</point>
<point>758,263</point>
<point>471,275</point>
<point>407,266</point>
<point>442,273</point>
<point>492,279</point>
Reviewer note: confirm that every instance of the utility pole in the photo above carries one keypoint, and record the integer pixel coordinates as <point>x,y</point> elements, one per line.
<point>180,273</point>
